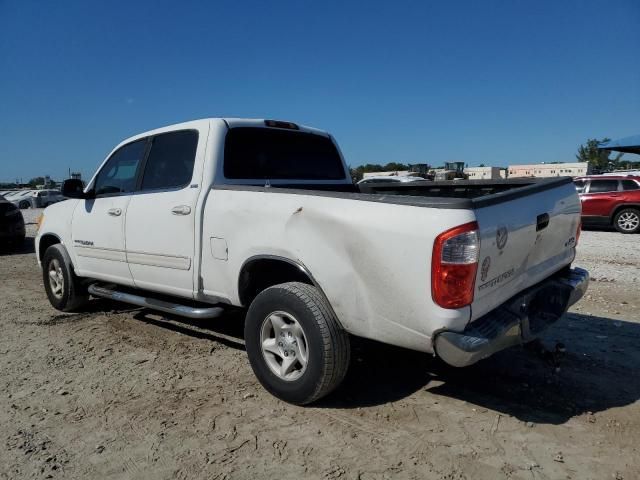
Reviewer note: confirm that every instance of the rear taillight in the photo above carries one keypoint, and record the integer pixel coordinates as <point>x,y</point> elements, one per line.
<point>454,266</point>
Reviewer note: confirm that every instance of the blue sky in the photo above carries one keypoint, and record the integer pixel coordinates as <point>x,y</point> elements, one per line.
<point>495,82</point>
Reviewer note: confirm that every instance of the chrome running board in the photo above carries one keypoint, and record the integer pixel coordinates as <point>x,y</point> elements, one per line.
<point>154,304</point>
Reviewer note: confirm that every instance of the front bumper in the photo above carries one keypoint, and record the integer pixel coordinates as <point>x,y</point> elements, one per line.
<point>519,320</point>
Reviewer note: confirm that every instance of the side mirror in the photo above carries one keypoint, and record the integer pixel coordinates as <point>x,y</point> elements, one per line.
<point>73,188</point>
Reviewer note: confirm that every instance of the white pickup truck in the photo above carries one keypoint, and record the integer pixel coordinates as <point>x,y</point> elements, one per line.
<point>193,218</point>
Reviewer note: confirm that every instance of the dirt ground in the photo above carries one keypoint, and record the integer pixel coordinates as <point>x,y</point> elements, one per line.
<point>117,392</point>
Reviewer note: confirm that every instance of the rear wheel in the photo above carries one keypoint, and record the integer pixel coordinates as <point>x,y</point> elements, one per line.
<point>64,289</point>
<point>627,220</point>
<point>24,204</point>
<point>295,344</point>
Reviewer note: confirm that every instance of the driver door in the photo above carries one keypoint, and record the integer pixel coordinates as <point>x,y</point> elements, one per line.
<point>98,223</point>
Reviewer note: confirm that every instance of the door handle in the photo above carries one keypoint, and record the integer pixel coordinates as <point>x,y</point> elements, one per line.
<point>181,210</point>
<point>115,212</point>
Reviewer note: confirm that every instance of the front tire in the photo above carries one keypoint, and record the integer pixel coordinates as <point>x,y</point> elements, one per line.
<point>296,347</point>
<point>627,220</point>
<point>64,289</point>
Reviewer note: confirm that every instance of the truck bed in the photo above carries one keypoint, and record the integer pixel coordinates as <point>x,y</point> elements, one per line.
<point>480,192</point>
<point>464,194</point>
<point>537,218</point>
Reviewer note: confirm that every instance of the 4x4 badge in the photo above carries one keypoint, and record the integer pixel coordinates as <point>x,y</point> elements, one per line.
<point>501,237</point>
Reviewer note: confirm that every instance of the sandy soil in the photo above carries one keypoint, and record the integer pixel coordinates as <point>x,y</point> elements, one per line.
<point>116,392</point>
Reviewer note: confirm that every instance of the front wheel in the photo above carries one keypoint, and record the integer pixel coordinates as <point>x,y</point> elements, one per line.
<point>295,344</point>
<point>64,289</point>
<point>627,220</point>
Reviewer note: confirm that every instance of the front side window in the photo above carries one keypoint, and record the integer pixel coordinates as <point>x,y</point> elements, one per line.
<point>598,186</point>
<point>630,185</point>
<point>265,153</point>
<point>171,159</point>
<point>119,173</point>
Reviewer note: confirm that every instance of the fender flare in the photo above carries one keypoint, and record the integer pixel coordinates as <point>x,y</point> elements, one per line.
<point>295,263</point>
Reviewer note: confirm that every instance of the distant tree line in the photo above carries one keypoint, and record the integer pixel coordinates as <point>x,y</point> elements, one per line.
<point>34,182</point>
<point>602,160</point>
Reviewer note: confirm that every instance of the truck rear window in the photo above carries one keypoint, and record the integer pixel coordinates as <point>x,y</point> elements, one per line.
<point>265,153</point>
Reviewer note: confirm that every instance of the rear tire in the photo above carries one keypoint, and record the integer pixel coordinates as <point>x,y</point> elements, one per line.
<point>24,205</point>
<point>64,289</point>
<point>627,220</point>
<point>18,241</point>
<point>296,347</point>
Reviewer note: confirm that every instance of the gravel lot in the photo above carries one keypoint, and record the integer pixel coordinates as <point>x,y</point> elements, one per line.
<point>117,392</point>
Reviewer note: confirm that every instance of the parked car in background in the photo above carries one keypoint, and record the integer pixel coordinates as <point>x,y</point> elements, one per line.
<point>35,198</point>
<point>11,224</point>
<point>12,193</point>
<point>44,198</point>
<point>389,178</point>
<point>22,198</point>
<point>610,201</point>
<point>623,173</point>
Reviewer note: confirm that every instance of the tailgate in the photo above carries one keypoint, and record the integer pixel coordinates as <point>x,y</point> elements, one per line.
<point>524,238</point>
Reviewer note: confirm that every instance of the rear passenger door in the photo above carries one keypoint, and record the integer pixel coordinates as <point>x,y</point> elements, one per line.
<point>161,216</point>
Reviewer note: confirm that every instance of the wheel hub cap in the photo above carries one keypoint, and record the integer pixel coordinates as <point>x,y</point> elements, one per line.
<point>284,345</point>
<point>628,221</point>
<point>56,279</point>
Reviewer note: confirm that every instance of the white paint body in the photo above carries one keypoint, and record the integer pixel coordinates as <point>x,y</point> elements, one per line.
<point>371,259</point>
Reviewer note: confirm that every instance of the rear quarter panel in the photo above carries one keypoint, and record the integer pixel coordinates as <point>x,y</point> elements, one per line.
<point>372,260</point>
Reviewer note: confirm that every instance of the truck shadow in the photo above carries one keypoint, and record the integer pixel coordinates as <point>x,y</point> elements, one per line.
<point>598,372</point>
<point>227,329</point>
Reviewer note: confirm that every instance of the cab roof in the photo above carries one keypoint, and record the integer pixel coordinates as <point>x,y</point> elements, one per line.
<point>230,122</point>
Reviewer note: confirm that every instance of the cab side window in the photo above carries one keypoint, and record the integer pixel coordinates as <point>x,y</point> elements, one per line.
<point>119,173</point>
<point>170,161</point>
<point>598,186</point>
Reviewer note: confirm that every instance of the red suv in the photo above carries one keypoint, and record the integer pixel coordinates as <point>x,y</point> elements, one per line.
<point>610,200</point>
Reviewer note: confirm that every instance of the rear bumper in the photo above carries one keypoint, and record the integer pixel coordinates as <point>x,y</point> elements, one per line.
<point>519,320</point>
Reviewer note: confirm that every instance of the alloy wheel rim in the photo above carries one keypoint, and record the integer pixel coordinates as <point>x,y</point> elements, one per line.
<point>284,345</point>
<point>628,221</point>
<point>56,278</point>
